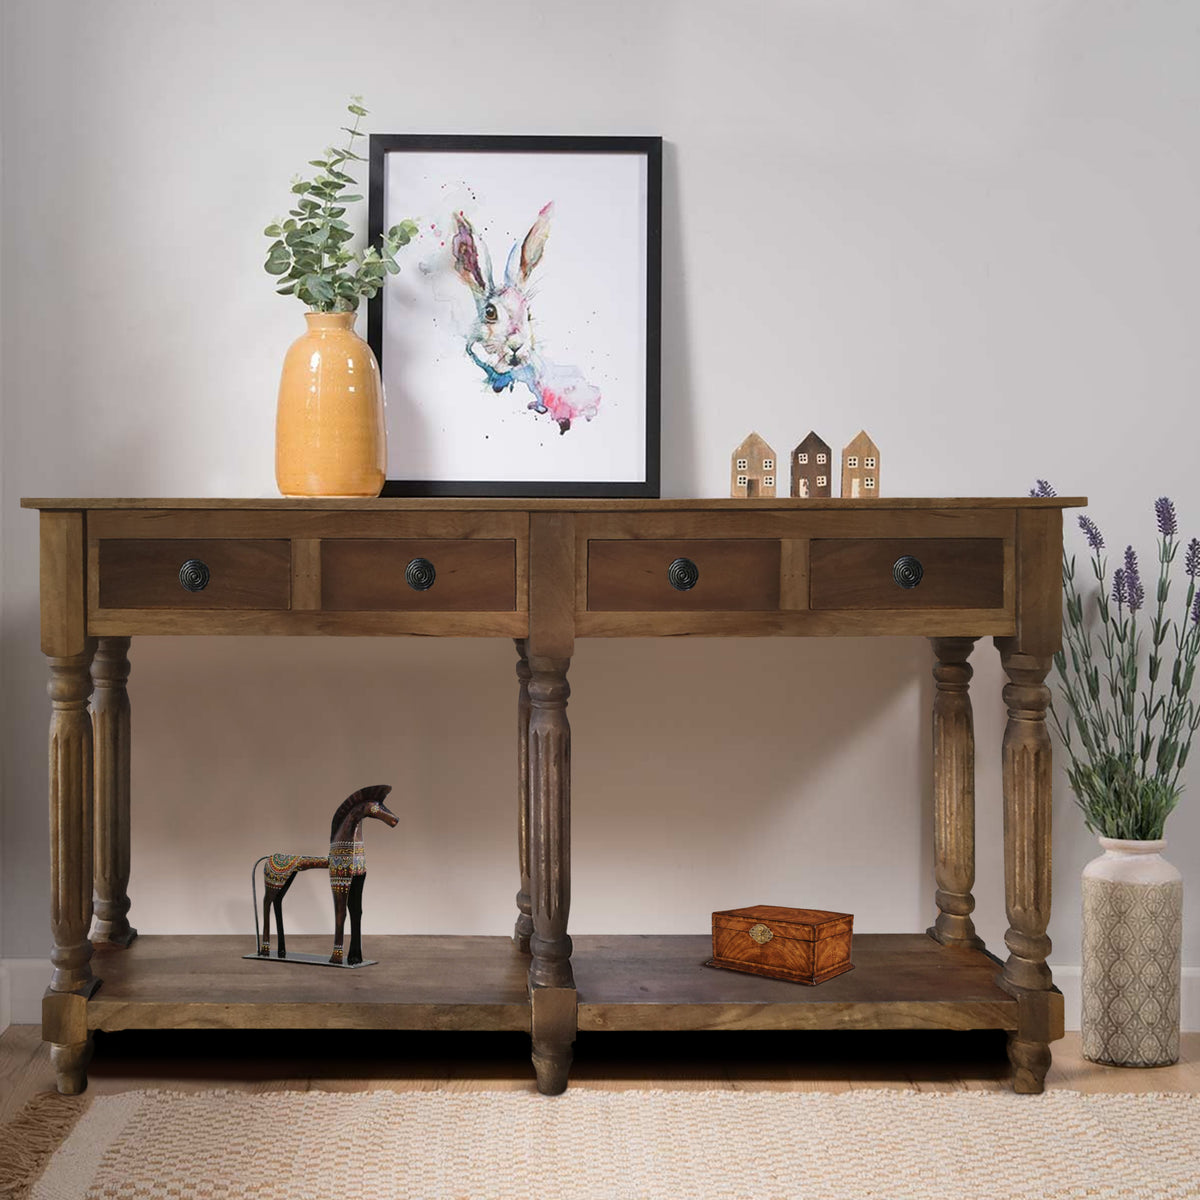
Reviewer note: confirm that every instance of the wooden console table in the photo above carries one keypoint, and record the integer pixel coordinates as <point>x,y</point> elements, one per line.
<point>544,572</point>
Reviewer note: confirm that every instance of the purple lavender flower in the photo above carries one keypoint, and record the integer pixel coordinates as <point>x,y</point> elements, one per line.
<point>1196,610</point>
<point>1092,533</point>
<point>1191,560</point>
<point>1164,510</point>
<point>1043,489</point>
<point>1135,594</point>
<point>1118,592</point>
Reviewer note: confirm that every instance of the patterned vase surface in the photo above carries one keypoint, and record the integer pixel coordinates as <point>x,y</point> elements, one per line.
<point>1132,941</point>
<point>330,438</point>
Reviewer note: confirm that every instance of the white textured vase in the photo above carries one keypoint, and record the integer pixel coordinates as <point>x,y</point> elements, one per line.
<point>1132,938</point>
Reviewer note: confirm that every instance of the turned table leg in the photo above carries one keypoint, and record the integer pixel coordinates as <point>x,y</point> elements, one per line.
<point>1027,783</point>
<point>551,982</point>
<point>524,926</point>
<point>954,793</point>
<point>110,726</point>
<point>64,1022</point>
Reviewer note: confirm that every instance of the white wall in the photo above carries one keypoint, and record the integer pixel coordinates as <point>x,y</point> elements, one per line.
<point>969,229</point>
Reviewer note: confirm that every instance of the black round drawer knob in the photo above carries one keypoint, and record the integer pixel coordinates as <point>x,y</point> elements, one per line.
<point>194,575</point>
<point>420,575</point>
<point>683,574</point>
<point>907,571</point>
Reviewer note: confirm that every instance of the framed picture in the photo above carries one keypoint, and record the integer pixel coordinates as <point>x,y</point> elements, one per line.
<point>519,343</point>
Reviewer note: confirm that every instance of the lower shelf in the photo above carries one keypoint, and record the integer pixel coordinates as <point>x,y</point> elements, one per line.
<point>202,982</point>
<point>899,981</point>
<point>656,982</point>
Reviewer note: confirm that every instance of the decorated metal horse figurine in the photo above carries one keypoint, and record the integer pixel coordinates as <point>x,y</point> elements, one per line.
<point>347,866</point>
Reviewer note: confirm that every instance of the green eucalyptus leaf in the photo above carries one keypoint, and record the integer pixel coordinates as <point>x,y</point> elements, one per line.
<point>320,289</point>
<point>357,110</point>
<point>348,199</point>
<point>272,231</point>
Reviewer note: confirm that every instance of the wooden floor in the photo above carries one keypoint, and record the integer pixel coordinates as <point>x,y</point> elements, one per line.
<point>278,1060</point>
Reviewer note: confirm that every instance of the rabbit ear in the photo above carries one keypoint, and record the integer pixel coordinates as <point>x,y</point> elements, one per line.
<point>474,269</point>
<point>531,248</point>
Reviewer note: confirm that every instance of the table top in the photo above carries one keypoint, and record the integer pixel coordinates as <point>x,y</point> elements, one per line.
<point>558,504</point>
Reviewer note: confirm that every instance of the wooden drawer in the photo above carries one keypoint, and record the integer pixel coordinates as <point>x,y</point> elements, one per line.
<point>231,573</point>
<point>731,575</point>
<point>860,573</point>
<point>384,575</point>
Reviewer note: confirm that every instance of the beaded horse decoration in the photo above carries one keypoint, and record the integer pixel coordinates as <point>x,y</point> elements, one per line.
<point>347,866</point>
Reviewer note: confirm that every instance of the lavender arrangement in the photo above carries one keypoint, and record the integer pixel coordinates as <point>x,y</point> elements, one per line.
<point>1127,734</point>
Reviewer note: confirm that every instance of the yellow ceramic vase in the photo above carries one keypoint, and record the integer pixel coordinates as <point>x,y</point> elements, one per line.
<point>330,438</point>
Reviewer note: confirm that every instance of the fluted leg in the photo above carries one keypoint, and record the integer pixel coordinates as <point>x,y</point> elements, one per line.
<point>551,982</point>
<point>1027,776</point>
<point>71,817</point>
<point>110,726</point>
<point>524,927</point>
<point>954,793</point>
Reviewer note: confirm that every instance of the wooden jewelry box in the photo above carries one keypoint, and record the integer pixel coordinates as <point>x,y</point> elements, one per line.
<point>804,945</point>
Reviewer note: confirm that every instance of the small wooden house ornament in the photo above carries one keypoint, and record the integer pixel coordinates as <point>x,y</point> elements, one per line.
<point>753,470</point>
<point>812,469</point>
<point>860,469</point>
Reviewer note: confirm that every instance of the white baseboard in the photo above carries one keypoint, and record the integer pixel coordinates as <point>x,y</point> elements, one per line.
<point>1067,980</point>
<point>22,984</point>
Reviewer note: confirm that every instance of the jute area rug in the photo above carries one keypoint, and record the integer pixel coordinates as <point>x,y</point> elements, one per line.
<point>601,1145</point>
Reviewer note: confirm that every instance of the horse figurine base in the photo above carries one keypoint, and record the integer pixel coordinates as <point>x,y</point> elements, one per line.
<point>312,960</point>
<point>347,866</point>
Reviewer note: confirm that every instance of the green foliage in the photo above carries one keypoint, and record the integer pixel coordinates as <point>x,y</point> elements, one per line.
<point>1127,734</point>
<point>309,251</point>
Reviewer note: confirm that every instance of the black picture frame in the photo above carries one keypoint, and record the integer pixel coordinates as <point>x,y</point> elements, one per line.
<point>383,145</point>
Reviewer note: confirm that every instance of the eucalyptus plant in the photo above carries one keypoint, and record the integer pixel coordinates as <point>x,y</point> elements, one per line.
<point>309,249</point>
<point>1128,734</point>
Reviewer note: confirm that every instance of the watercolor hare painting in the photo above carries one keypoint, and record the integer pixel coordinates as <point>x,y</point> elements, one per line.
<point>519,340</point>
<point>504,331</point>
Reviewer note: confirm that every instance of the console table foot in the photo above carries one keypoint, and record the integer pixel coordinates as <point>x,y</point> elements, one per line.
<point>1030,1062</point>
<point>70,1062</point>
<point>552,1023</point>
<point>552,1062</point>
